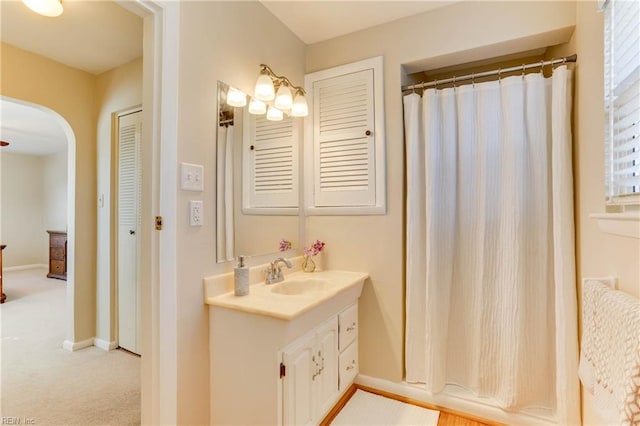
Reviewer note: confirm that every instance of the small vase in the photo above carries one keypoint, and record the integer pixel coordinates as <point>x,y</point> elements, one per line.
<point>318,259</point>
<point>308,265</point>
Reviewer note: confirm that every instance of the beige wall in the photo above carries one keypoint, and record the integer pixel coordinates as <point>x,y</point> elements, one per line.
<point>599,254</point>
<point>463,32</point>
<point>34,191</point>
<point>116,90</point>
<point>23,206</point>
<point>70,93</point>
<point>55,191</point>
<point>218,41</point>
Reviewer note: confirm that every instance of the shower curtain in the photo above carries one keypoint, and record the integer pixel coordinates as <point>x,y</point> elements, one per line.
<point>491,303</point>
<point>224,202</point>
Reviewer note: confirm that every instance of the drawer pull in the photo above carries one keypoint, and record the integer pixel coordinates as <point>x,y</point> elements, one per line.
<point>352,365</point>
<point>352,327</point>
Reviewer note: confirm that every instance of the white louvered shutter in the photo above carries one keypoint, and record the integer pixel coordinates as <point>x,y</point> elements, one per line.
<point>271,164</point>
<point>622,99</point>
<point>344,141</point>
<point>129,171</point>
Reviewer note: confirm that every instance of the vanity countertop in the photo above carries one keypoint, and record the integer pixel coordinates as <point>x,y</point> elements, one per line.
<point>266,300</point>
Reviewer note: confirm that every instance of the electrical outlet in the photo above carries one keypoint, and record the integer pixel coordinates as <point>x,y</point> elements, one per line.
<point>195,216</point>
<point>192,177</point>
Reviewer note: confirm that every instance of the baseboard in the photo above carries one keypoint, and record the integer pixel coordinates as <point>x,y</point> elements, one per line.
<point>452,403</point>
<point>104,344</point>
<point>70,346</point>
<point>25,267</point>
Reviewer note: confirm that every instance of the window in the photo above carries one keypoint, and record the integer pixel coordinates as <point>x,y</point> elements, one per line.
<point>622,100</point>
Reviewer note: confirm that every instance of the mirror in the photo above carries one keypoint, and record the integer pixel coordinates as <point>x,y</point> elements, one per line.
<point>256,204</point>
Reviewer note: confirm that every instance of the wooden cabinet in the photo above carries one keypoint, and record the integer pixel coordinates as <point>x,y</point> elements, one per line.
<point>57,255</point>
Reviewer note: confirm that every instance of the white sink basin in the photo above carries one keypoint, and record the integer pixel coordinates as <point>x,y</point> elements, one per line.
<point>300,292</point>
<point>293,286</point>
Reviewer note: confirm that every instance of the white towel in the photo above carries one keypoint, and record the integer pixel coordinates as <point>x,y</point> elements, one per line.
<point>610,352</point>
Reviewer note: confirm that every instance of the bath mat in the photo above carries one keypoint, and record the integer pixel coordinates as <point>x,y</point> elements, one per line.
<point>365,408</point>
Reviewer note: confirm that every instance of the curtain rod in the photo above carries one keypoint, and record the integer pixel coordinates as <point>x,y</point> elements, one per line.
<point>541,64</point>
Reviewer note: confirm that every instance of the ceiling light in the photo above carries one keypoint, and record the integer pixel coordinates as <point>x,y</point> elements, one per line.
<point>236,98</point>
<point>49,8</point>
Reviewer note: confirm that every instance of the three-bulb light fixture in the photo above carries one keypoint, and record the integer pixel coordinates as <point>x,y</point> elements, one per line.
<point>273,95</point>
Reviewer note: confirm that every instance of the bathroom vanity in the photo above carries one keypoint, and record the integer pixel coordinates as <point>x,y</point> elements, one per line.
<point>285,353</point>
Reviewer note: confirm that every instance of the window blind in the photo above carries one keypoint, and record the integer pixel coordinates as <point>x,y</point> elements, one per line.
<point>622,98</point>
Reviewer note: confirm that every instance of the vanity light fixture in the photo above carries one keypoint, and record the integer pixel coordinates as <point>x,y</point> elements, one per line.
<point>236,98</point>
<point>274,114</point>
<point>299,107</point>
<point>283,100</point>
<point>257,107</point>
<point>50,8</point>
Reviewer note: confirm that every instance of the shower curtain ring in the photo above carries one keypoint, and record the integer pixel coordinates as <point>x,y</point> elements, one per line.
<point>522,70</point>
<point>473,79</point>
<point>499,75</point>
<point>435,84</point>
<point>541,66</point>
<point>454,81</point>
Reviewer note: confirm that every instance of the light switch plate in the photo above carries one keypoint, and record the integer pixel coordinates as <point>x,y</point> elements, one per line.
<point>192,177</point>
<point>195,213</point>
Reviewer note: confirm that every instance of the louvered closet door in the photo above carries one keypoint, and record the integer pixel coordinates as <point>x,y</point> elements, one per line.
<point>272,164</point>
<point>344,140</point>
<point>129,220</point>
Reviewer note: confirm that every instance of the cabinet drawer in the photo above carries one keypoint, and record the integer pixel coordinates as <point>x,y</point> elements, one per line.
<point>56,267</point>
<point>348,320</point>
<point>56,253</point>
<point>348,364</point>
<point>57,240</point>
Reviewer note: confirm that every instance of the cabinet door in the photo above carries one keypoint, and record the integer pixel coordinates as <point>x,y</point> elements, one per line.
<point>326,382</point>
<point>298,401</point>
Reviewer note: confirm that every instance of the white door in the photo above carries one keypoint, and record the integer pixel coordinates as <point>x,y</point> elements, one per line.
<point>327,357</point>
<point>129,218</point>
<point>301,371</point>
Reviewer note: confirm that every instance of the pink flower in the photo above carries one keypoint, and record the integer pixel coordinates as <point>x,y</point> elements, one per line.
<point>285,245</point>
<point>315,249</point>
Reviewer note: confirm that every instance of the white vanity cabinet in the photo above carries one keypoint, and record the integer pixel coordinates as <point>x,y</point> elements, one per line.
<point>318,367</point>
<point>277,357</point>
<point>310,375</point>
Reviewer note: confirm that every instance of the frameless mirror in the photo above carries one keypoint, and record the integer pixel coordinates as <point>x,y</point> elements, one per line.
<point>256,202</point>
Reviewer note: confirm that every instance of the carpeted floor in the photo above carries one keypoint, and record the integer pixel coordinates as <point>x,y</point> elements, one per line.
<point>45,385</point>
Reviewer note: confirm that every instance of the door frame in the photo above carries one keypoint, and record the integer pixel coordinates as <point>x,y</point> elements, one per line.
<point>159,196</point>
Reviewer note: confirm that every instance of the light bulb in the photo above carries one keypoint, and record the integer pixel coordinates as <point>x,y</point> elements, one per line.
<point>50,8</point>
<point>236,98</point>
<point>299,108</point>
<point>264,90</point>
<point>284,99</point>
<point>274,114</point>
<point>257,107</point>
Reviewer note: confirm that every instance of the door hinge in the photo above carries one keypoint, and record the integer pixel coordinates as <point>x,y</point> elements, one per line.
<point>283,370</point>
<point>158,223</point>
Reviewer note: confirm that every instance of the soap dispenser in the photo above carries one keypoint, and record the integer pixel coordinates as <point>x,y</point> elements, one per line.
<point>241,278</point>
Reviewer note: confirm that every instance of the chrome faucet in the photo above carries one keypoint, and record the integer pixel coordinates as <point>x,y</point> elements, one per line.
<point>274,271</point>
